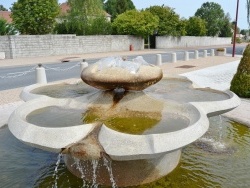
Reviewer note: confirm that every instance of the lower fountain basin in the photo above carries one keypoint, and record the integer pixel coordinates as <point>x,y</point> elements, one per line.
<point>154,147</point>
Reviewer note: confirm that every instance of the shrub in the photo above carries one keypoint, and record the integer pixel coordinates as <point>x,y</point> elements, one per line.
<point>240,83</point>
<point>220,49</point>
<point>238,40</point>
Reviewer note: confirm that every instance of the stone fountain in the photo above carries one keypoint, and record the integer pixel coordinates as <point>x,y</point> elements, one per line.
<point>126,113</point>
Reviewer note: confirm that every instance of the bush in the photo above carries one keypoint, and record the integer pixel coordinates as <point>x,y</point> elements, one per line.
<point>240,83</point>
<point>220,49</point>
<point>238,40</point>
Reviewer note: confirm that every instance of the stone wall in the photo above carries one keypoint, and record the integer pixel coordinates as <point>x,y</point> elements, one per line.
<point>48,45</point>
<point>189,41</point>
<point>16,46</point>
<point>5,46</point>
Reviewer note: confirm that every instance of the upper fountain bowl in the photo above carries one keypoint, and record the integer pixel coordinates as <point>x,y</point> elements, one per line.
<point>112,73</point>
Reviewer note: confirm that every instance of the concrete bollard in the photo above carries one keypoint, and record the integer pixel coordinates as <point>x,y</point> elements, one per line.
<point>158,60</point>
<point>225,51</point>
<point>41,75</point>
<point>186,56</point>
<point>2,55</point>
<point>212,52</point>
<point>205,53</point>
<point>173,56</point>
<point>196,54</point>
<point>83,65</point>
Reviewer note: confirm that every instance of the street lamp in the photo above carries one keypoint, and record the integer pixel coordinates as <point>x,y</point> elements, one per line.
<point>235,28</point>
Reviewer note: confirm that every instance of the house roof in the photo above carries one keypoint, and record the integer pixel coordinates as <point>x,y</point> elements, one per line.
<point>65,8</point>
<point>6,15</point>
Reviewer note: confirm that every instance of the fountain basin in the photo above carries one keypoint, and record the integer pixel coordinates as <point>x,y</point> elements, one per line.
<point>137,146</point>
<point>158,152</point>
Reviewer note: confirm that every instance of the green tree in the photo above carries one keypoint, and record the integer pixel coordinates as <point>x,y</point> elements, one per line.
<point>226,28</point>
<point>244,31</point>
<point>116,7</point>
<point>81,15</point>
<point>133,22</point>
<point>214,15</point>
<point>100,26</point>
<point>6,29</point>
<point>2,8</point>
<point>169,21</point>
<point>35,16</point>
<point>196,26</point>
<point>240,83</point>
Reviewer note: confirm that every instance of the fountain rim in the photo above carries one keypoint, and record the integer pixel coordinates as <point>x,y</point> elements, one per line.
<point>150,149</point>
<point>23,129</point>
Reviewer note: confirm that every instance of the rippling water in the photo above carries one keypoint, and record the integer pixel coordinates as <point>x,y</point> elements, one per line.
<point>221,158</point>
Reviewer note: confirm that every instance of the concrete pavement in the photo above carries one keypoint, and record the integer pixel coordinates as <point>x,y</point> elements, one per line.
<point>215,72</point>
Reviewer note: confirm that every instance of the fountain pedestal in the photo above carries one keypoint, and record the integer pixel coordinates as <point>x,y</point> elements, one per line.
<point>125,173</point>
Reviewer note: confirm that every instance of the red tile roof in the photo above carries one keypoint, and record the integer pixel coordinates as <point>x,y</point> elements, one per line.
<point>64,8</point>
<point>6,15</point>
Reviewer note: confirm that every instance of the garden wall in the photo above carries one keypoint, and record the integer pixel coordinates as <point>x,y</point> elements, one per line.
<point>16,46</point>
<point>189,41</point>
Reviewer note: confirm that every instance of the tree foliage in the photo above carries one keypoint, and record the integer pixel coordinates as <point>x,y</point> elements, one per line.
<point>2,8</point>
<point>226,27</point>
<point>169,22</point>
<point>214,15</point>
<point>6,28</point>
<point>34,16</point>
<point>116,7</point>
<point>133,22</point>
<point>196,26</point>
<point>240,83</point>
<point>245,32</point>
<point>85,17</point>
<point>100,26</point>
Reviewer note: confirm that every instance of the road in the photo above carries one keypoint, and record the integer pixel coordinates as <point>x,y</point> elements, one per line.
<point>21,76</point>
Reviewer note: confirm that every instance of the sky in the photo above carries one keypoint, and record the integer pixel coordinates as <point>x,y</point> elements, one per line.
<point>184,8</point>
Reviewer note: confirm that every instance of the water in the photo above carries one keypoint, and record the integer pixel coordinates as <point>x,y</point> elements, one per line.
<point>183,91</point>
<point>55,175</point>
<point>54,116</point>
<point>64,90</point>
<point>24,166</point>
<point>168,88</point>
<point>94,165</point>
<point>107,163</point>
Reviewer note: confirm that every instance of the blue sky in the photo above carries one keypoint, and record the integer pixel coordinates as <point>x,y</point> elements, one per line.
<point>184,8</point>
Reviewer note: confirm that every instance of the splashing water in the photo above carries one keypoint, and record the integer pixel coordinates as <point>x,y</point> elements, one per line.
<point>107,163</point>
<point>220,129</point>
<point>131,66</point>
<point>95,165</point>
<point>55,175</point>
<point>80,168</point>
